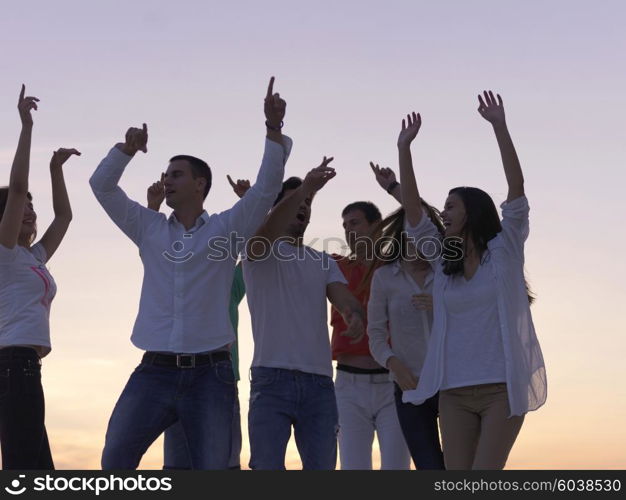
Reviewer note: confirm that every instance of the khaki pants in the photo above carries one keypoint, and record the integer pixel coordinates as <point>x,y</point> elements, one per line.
<point>475,429</point>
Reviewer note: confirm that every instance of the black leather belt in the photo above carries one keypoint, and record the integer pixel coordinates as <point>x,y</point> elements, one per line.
<point>184,360</point>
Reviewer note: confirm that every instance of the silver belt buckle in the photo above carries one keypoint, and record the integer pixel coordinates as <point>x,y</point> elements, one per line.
<point>181,361</point>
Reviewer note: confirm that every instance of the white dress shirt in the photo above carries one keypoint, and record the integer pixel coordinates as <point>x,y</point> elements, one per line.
<point>525,368</point>
<point>188,273</point>
<point>392,315</point>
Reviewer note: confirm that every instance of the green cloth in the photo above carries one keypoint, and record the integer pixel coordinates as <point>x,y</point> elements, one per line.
<point>237,292</point>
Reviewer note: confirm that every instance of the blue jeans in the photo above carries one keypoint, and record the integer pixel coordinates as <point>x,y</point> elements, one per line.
<point>155,397</point>
<point>176,446</point>
<point>419,426</point>
<point>282,398</point>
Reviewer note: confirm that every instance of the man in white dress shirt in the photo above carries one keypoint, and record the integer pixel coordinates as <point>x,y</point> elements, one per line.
<point>183,323</point>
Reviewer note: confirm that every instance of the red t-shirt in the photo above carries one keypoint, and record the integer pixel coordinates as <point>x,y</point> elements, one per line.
<point>354,271</point>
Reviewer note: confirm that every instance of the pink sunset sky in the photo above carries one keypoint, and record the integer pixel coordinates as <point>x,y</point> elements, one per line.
<point>197,71</point>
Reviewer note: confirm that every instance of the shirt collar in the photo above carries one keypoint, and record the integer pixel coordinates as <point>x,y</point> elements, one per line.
<point>200,221</point>
<point>396,268</point>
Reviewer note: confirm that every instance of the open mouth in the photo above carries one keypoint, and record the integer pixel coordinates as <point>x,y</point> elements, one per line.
<point>301,217</point>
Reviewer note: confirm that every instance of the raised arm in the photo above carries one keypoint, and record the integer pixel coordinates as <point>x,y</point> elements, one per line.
<point>274,108</point>
<point>11,222</point>
<point>386,179</point>
<point>245,217</point>
<point>131,217</point>
<point>60,202</point>
<point>409,193</point>
<point>493,112</point>
<point>350,308</point>
<point>281,215</point>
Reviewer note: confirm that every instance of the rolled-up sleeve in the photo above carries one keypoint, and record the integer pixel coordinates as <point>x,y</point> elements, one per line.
<point>515,225</point>
<point>377,322</point>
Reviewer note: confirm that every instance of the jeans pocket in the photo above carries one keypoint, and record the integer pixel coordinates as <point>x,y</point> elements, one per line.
<point>324,382</point>
<point>262,377</point>
<point>32,380</point>
<point>224,372</point>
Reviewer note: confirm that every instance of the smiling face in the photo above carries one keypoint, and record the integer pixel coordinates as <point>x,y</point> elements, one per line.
<point>454,215</point>
<point>180,185</point>
<point>29,222</point>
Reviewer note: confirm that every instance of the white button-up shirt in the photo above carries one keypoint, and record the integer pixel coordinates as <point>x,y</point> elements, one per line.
<point>525,368</point>
<point>188,273</point>
<point>392,315</point>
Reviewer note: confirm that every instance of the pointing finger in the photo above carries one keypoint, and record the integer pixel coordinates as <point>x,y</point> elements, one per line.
<point>270,88</point>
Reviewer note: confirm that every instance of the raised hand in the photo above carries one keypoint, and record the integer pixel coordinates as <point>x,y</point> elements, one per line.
<point>274,107</point>
<point>491,110</point>
<point>317,178</point>
<point>61,155</point>
<point>25,105</point>
<point>410,128</point>
<point>156,194</point>
<point>384,176</point>
<point>240,187</point>
<point>136,140</point>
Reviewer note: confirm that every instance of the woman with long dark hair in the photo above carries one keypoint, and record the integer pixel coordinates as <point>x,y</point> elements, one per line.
<point>26,291</point>
<point>483,356</point>
<point>400,321</point>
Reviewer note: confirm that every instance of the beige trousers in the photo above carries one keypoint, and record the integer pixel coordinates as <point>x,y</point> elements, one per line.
<point>475,429</point>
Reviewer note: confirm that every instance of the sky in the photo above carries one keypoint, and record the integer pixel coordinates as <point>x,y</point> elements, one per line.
<point>196,72</point>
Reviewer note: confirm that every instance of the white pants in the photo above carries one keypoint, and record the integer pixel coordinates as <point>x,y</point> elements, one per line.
<point>366,406</point>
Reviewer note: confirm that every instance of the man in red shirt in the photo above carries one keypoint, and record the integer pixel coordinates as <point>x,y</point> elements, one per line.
<point>365,393</point>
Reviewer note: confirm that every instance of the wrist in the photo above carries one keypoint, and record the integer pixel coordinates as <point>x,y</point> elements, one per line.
<point>274,126</point>
<point>392,186</point>
<point>126,149</point>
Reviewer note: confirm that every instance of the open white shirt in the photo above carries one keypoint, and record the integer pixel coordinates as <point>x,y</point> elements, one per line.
<point>392,315</point>
<point>286,294</point>
<point>26,292</point>
<point>188,275</point>
<point>525,368</point>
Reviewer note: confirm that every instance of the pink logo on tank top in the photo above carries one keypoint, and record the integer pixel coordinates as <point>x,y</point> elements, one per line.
<point>45,300</point>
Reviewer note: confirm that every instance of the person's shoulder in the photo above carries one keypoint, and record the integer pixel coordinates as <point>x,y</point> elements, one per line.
<point>383,271</point>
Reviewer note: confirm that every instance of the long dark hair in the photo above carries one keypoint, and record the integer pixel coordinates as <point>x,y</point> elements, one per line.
<point>482,224</point>
<point>4,197</point>
<point>391,239</point>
